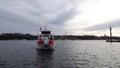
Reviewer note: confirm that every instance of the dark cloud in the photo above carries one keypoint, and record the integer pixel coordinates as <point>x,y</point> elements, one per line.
<point>53,13</point>
<point>103,26</point>
<point>63,17</point>
<point>10,22</point>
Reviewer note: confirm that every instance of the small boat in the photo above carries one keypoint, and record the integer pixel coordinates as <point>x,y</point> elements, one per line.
<point>45,40</point>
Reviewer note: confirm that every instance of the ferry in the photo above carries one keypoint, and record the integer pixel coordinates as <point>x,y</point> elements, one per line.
<point>45,40</point>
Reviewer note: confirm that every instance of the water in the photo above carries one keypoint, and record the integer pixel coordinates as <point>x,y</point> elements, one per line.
<point>67,54</point>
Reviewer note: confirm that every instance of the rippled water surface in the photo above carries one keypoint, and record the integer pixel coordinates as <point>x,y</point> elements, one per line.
<point>67,54</point>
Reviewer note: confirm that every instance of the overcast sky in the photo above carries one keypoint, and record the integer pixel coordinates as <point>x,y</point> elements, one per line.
<point>78,17</point>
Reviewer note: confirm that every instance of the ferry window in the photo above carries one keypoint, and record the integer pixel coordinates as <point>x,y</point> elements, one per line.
<point>45,35</point>
<point>45,32</point>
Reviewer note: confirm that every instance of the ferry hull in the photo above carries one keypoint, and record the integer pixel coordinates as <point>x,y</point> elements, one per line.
<point>46,47</point>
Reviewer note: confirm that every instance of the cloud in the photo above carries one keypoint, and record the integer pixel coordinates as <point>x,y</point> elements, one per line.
<point>28,15</point>
<point>103,26</point>
<point>11,22</point>
<point>63,17</point>
<point>39,10</point>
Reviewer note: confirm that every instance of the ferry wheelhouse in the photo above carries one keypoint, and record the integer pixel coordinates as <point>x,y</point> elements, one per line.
<point>45,40</point>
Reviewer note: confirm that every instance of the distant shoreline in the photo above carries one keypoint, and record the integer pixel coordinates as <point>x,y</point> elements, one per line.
<point>20,36</point>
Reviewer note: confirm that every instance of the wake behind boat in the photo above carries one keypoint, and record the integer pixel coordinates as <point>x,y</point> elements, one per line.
<point>45,40</point>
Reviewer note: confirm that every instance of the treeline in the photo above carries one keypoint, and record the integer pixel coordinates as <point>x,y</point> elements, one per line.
<point>20,36</point>
<point>17,36</point>
<point>84,37</point>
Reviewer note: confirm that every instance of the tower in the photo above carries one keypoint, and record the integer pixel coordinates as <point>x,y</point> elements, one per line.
<point>110,34</point>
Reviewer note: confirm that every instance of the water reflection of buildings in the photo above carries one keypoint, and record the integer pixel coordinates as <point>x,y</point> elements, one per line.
<point>44,59</point>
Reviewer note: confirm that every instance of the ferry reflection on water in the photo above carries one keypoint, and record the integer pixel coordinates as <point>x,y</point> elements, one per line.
<point>44,58</point>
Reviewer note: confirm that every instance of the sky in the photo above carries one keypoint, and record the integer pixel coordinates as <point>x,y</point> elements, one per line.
<point>73,17</point>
